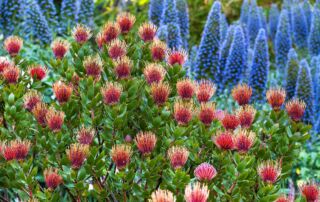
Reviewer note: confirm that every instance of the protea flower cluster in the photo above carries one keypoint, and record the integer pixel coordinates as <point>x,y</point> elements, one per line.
<point>146,141</point>
<point>310,191</point>
<point>13,45</point>
<point>38,72</point>
<point>60,48</point>
<point>121,155</point>
<point>77,154</point>
<point>81,34</point>
<point>52,178</point>
<point>178,156</point>
<point>269,171</point>
<point>16,149</point>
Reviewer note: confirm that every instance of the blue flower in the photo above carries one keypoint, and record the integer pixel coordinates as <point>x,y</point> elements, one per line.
<point>314,36</point>
<point>85,13</point>
<point>11,16</point>
<point>299,26</point>
<point>170,13</point>
<point>273,20</point>
<point>174,40</point>
<point>245,8</point>
<point>49,11</point>
<point>68,14</point>
<point>292,70</point>
<point>155,11</point>
<point>254,23</point>
<point>183,16</point>
<point>307,12</point>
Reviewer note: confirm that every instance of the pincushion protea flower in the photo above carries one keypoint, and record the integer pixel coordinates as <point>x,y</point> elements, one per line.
<point>146,141</point>
<point>5,63</point>
<point>154,73</point>
<point>125,21</point>
<point>205,172</point>
<point>295,109</point>
<point>117,49</point>
<point>16,149</point>
<point>11,74</point>
<point>276,97</point>
<point>242,94</point>
<point>162,196</point>
<point>160,92</point>
<point>207,113</point>
<point>52,178</point>
<point>39,111</point>
<point>54,119</point>
<point>196,193</point>
<point>38,72</point>
<point>85,135</point>
<point>62,91</point>
<point>31,99</point>
<point>246,115</point>
<point>77,154</point>
<point>81,33</point>
<point>158,50</point>
<point>269,171</point>
<point>224,140</point>
<point>147,32</point>
<point>178,156</point>
<point>186,88</point>
<point>282,199</point>
<point>183,112</point>
<point>205,90</point>
<point>111,93</point>
<point>110,31</point>
<point>13,45</point>
<point>230,121</point>
<point>60,48</point>
<point>121,155</point>
<point>122,67</point>
<point>177,57</point>
<point>100,40</point>
<point>310,191</point>
<point>93,66</point>
<point>244,140</point>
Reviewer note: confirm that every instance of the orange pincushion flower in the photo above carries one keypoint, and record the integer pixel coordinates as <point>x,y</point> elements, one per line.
<point>93,66</point>
<point>54,119</point>
<point>296,109</point>
<point>123,67</point>
<point>207,113</point>
<point>60,48</point>
<point>154,73</point>
<point>205,172</point>
<point>5,63</point>
<point>205,90</point>
<point>186,88</point>
<point>31,99</point>
<point>160,93</point>
<point>269,171</point>
<point>11,74</point>
<point>183,112</point>
<point>81,34</point>
<point>310,191</point>
<point>77,154</point>
<point>62,91</point>
<point>282,199</point>
<point>230,121</point>
<point>100,40</point>
<point>177,57</point>
<point>276,97</point>
<point>246,115</point>
<point>196,193</point>
<point>13,45</point>
<point>110,31</point>
<point>39,111</point>
<point>52,178</point>
<point>242,94</point>
<point>244,140</point>
<point>147,32</point>
<point>158,50</point>
<point>121,155</point>
<point>178,156</point>
<point>146,141</point>
<point>162,196</point>
<point>111,93</point>
<point>125,21</point>
<point>38,72</point>
<point>117,49</point>
<point>224,140</point>
<point>16,149</point>
<point>85,135</point>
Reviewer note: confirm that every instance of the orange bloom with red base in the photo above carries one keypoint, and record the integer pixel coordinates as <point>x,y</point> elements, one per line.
<point>52,178</point>
<point>111,93</point>
<point>77,154</point>
<point>242,94</point>
<point>154,73</point>
<point>13,45</point>
<point>121,155</point>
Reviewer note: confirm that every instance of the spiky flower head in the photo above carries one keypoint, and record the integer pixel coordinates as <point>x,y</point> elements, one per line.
<point>158,50</point>
<point>183,112</point>
<point>81,33</point>
<point>242,94</point>
<point>246,115</point>
<point>146,142</point>
<point>310,191</point>
<point>154,73</point>
<point>186,88</point>
<point>230,121</point>
<point>160,92</point>
<point>77,154</point>
<point>196,193</point>
<point>85,135</point>
<point>55,119</point>
<point>93,66</point>
<point>111,93</point>
<point>125,21</point>
<point>207,113</point>
<point>117,49</point>
<point>62,91</point>
<point>5,63</point>
<point>11,74</point>
<point>205,90</point>
<point>276,97</point>
<point>177,57</point>
<point>205,172</point>
<point>147,32</point>
<point>282,199</point>
<point>244,140</point>
<point>13,45</point>
<point>16,149</point>
<point>39,111</point>
<point>110,31</point>
<point>38,72</point>
<point>31,99</point>
<point>224,140</point>
<point>178,156</point>
<point>295,109</point>
<point>100,40</point>
<point>121,155</point>
<point>60,48</point>
<point>162,196</point>
<point>122,67</point>
<point>52,178</point>
<point>269,171</point>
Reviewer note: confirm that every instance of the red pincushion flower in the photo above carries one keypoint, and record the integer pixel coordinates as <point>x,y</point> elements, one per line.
<point>269,171</point>
<point>31,99</point>
<point>183,112</point>
<point>246,115</point>
<point>121,155</point>
<point>111,93</point>
<point>205,172</point>
<point>54,119</point>
<point>5,63</point>
<point>186,88</point>
<point>60,48</point>
<point>77,154</point>
<point>85,135</point>
<point>37,72</point>
<point>93,66</point>
<point>244,140</point>
<point>205,90</point>
<point>230,121</point>
<point>282,199</point>
<point>196,193</point>
<point>242,94</point>
<point>117,49</point>
<point>162,196</point>
<point>52,178</point>
<point>62,91</point>
<point>160,93</point>
<point>125,22</point>
<point>207,113</point>
<point>176,57</point>
<point>154,73</point>
<point>123,67</point>
<point>158,50</point>
<point>11,74</point>
<point>100,40</point>
<point>276,97</point>
<point>178,156</point>
<point>224,140</point>
<point>147,32</point>
<point>146,141</point>
<point>39,111</point>
<point>16,149</point>
<point>13,45</point>
<point>310,191</point>
<point>295,109</point>
<point>81,34</point>
<point>110,32</point>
